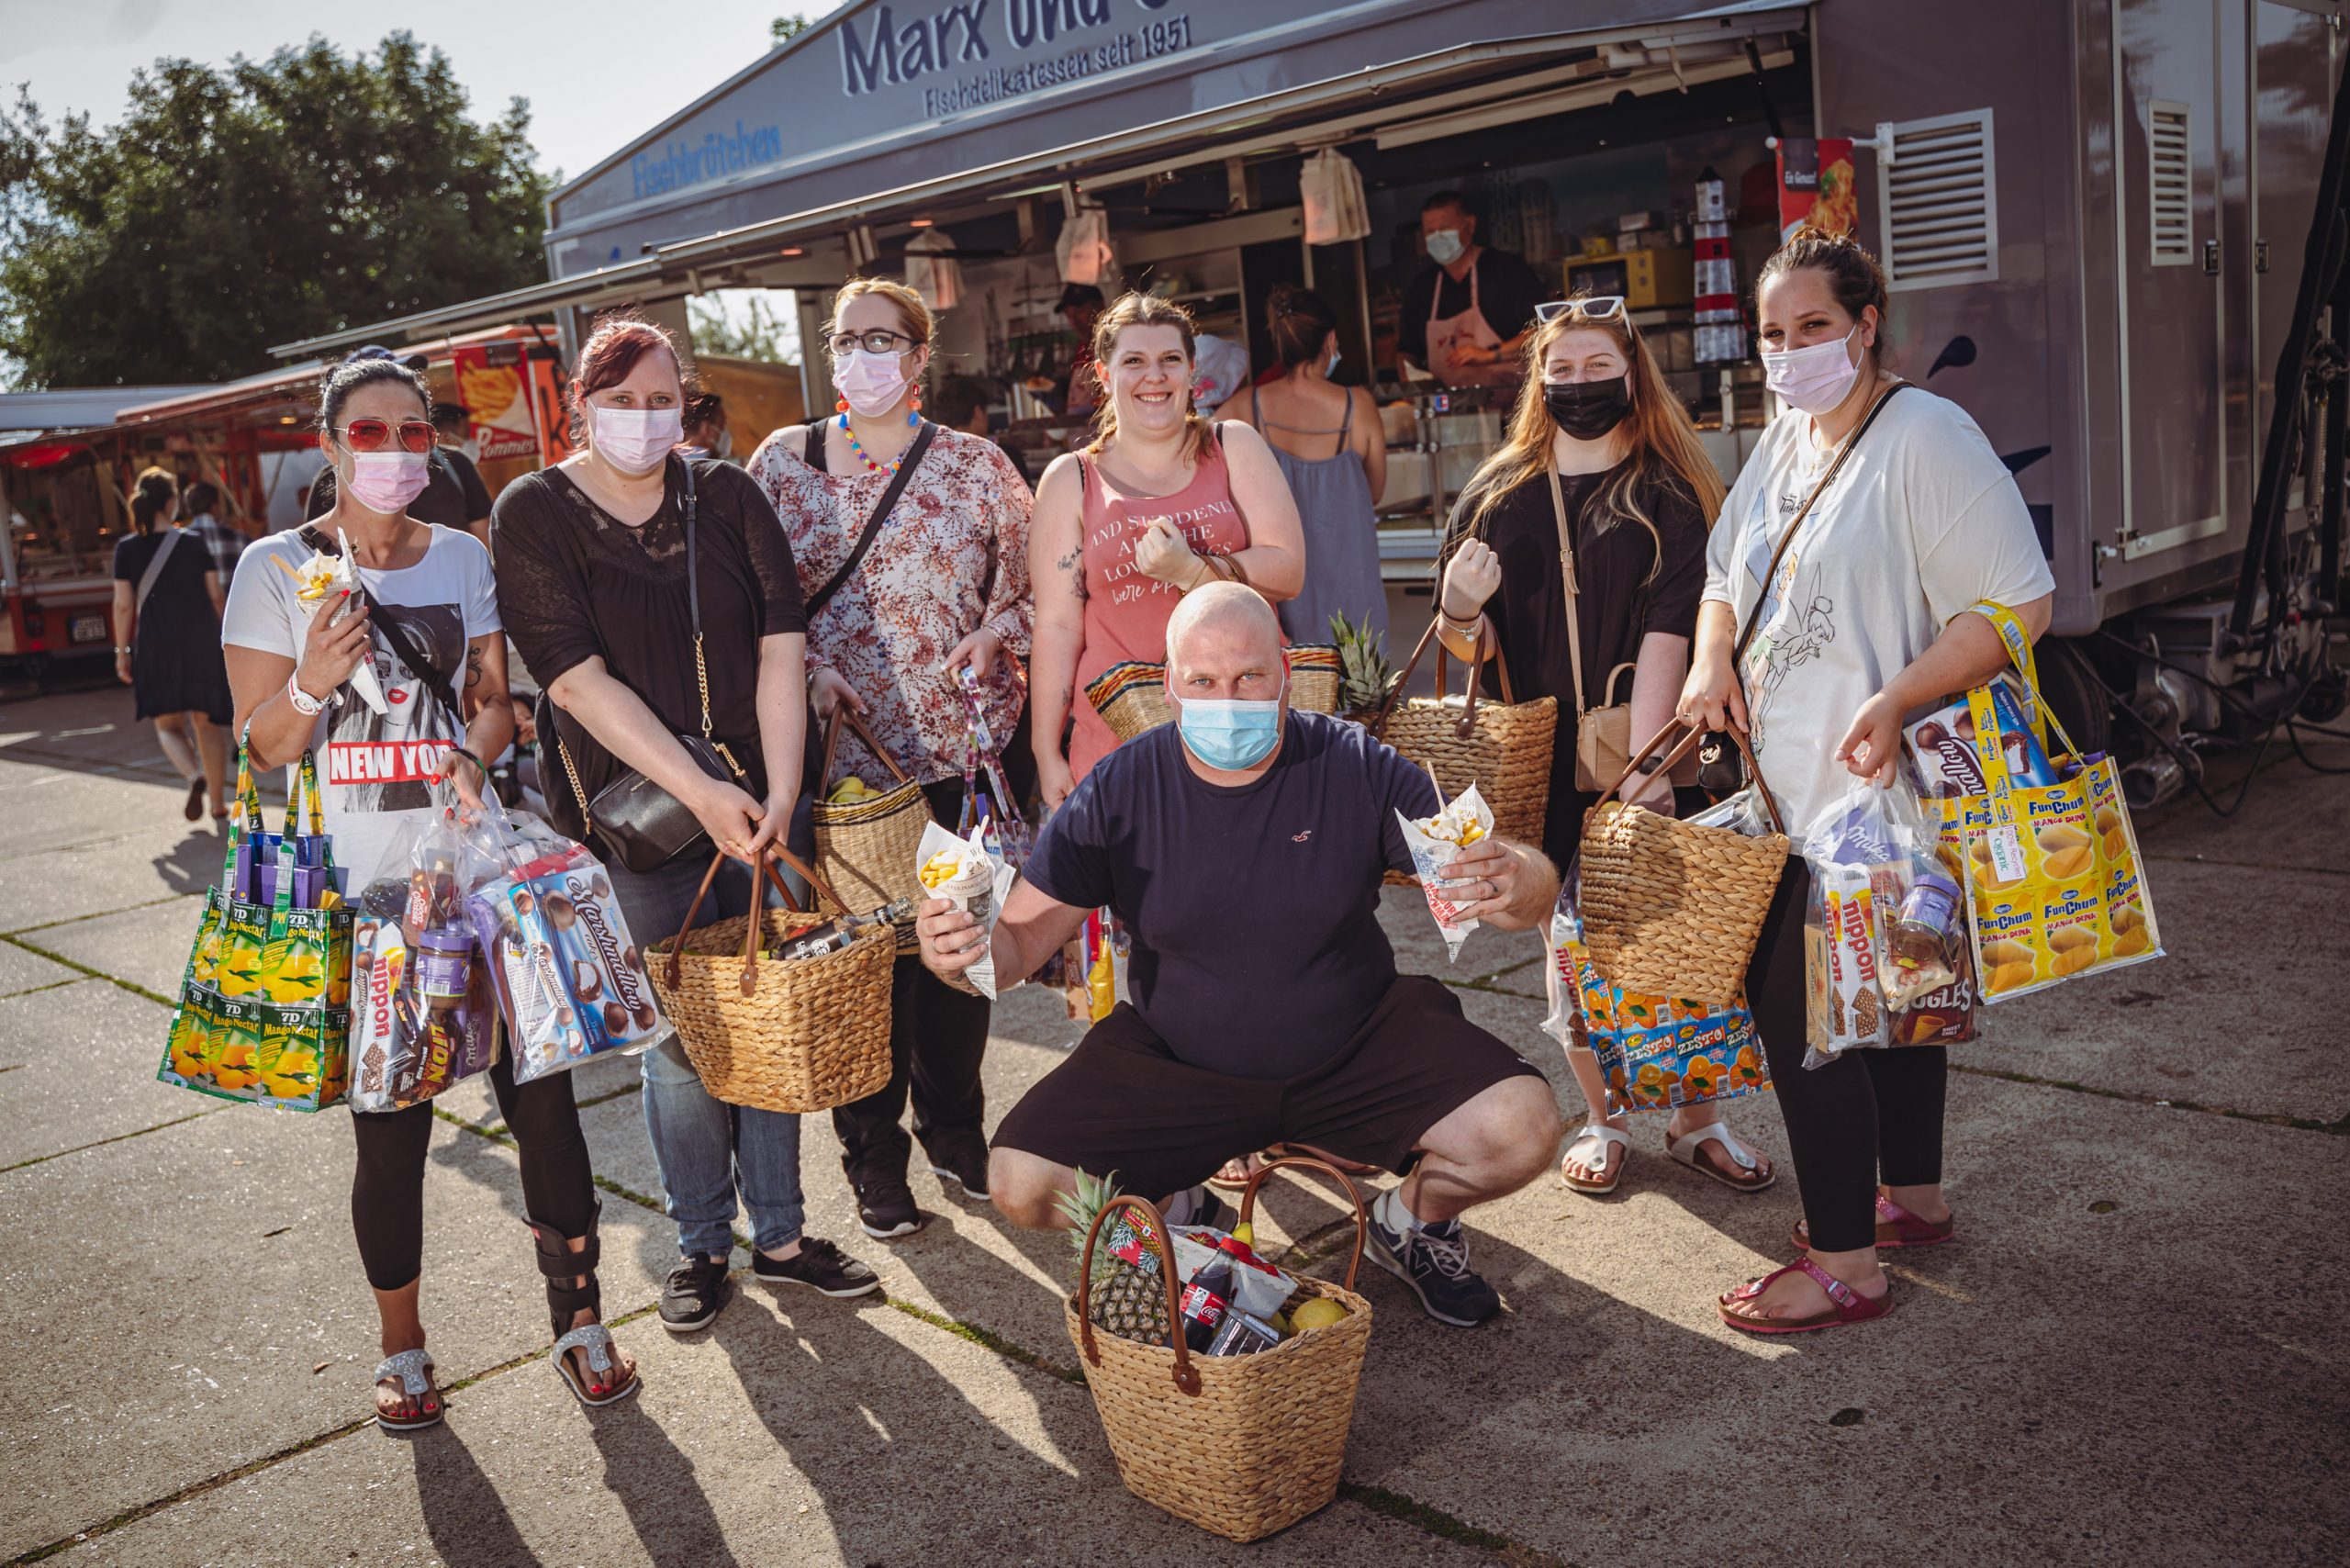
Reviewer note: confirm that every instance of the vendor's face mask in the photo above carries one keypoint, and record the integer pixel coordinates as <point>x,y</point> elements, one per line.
<point>387,481</point>
<point>1445,247</point>
<point>1230,732</point>
<point>635,440</point>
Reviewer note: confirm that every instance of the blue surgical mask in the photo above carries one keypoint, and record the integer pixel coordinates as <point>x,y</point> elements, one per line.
<point>1444,246</point>
<point>1230,734</point>
<point>1330,367</point>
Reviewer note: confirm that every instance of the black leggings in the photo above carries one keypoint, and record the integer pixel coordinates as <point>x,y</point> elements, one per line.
<point>387,1191</point>
<point>1868,1112</point>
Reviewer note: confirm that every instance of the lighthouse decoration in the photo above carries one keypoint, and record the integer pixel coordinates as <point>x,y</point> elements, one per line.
<point>1719,336</point>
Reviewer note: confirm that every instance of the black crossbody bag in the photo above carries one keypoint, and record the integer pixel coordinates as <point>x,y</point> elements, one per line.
<point>640,824</point>
<point>1721,771</point>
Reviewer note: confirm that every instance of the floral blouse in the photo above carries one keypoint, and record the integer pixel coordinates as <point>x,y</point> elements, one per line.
<point>951,559</point>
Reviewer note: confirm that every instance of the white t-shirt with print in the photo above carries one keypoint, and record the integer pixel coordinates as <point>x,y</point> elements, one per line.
<point>375,768</point>
<point>1923,522</point>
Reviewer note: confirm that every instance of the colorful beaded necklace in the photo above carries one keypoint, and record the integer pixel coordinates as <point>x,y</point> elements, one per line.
<point>912,419</point>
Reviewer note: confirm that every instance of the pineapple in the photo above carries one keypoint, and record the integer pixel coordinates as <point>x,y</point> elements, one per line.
<point>1127,1299</point>
<point>1364,675</point>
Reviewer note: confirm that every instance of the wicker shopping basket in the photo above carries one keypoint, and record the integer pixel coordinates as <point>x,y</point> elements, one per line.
<point>869,850</point>
<point>1131,696</point>
<point>1670,908</point>
<point>801,1036</point>
<point>1240,1445</point>
<point>1314,677</point>
<point>1502,747</point>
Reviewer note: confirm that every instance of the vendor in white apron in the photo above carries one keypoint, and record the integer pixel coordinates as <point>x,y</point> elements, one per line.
<point>1467,316</point>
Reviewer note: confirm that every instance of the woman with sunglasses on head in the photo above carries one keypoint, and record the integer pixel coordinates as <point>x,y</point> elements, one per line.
<point>1836,608</point>
<point>427,623</point>
<point>941,590</point>
<point>1160,501</point>
<point>593,563</point>
<point>1636,494</point>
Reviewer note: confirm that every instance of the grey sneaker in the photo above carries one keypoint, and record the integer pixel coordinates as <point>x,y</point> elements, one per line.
<point>1434,1261</point>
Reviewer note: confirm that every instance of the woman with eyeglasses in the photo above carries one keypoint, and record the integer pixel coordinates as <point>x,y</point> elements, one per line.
<point>1819,645</point>
<point>633,624</point>
<point>1635,494</point>
<point>428,624</point>
<point>1163,499</point>
<point>905,602</point>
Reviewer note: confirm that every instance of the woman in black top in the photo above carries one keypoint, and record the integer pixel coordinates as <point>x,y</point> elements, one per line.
<point>167,640</point>
<point>591,586</point>
<point>1639,493</point>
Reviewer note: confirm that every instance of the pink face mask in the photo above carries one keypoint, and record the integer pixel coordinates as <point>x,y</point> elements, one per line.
<point>1814,379</point>
<point>872,383</point>
<point>635,440</point>
<point>387,481</point>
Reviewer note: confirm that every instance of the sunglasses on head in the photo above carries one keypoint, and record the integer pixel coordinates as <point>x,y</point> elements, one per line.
<point>1598,308</point>
<point>374,435</point>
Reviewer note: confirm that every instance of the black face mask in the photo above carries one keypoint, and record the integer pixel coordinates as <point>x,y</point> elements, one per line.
<point>1588,410</point>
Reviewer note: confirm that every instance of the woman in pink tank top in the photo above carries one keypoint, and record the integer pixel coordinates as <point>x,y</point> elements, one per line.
<point>1160,502</point>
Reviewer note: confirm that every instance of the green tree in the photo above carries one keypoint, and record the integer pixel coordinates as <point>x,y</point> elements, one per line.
<point>252,205</point>
<point>783,30</point>
<point>752,330</point>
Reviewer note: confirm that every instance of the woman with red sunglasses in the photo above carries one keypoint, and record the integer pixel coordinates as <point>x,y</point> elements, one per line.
<point>428,626</point>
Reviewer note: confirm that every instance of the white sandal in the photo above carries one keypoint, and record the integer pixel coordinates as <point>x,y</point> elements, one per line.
<point>414,1369</point>
<point>597,1341</point>
<point>1685,1149</point>
<point>1603,1134</point>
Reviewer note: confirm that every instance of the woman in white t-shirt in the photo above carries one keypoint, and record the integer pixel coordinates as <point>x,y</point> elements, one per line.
<point>432,603</point>
<point>1862,626</point>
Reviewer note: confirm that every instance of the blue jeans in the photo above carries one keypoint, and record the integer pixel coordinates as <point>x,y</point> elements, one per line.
<point>709,1150</point>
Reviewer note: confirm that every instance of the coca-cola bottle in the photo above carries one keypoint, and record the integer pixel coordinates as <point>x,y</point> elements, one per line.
<point>1205,1301</point>
<point>836,934</point>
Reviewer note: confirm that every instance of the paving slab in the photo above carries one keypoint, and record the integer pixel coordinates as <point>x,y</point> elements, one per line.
<point>147,945</point>
<point>215,1262</point>
<point>99,727</point>
<point>2035,1377</point>
<point>826,1434</point>
<point>2293,819</point>
<point>21,971</point>
<point>79,845</point>
<point>82,1060</point>
<point>2236,1013</point>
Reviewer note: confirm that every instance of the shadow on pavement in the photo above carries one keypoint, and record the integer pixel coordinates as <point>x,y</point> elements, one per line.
<point>656,1484</point>
<point>463,1512</point>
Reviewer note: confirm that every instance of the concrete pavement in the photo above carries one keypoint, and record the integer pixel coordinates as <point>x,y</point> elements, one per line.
<point>2135,1356</point>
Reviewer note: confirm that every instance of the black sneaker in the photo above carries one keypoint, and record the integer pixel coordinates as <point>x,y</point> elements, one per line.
<point>1434,1261</point>
<point>821,1266</point>
<point>697,1291</point>
<point>885,1207</point>
<point>967,1169</point>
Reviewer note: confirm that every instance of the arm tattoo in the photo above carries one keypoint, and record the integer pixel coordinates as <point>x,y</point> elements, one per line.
<point>473,667</point>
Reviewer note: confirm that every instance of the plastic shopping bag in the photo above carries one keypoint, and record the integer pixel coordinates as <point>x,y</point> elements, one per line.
<point>425,1015</point>
<point>1656,1053</point>
<point>1884,922</point>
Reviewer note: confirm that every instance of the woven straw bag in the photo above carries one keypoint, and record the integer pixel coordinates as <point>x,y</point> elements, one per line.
<point>869,849</point>
<point>1313,678</point>
<point>1240,1445</point>
<point>1131,696</point>
<point>1670,908</point>
<point>1502,747</point>
<point>798,1037</point>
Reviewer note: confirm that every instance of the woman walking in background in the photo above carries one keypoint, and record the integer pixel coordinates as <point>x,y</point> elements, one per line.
<point>1333,453</point>
<point>1600,451</point>
<point>942,588</point>
<point>168,595</point>
<point>1161,501</point>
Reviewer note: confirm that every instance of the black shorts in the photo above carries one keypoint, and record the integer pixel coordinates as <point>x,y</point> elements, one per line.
<point>1123,1102</point>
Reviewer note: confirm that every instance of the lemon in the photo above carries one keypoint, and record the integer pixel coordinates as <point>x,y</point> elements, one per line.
<point>1245,1233</point>
<point>1319,1313</point>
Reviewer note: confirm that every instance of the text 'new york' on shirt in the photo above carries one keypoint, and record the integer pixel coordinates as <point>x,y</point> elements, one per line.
<point>1254,909</point>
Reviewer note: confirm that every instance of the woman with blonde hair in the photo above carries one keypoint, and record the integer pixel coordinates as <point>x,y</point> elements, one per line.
<point>904,596</point>
<point>1161,500</point>
<point>1601,457</point>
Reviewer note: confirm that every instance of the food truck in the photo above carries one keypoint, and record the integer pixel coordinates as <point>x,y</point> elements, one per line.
<point>2094,215</point>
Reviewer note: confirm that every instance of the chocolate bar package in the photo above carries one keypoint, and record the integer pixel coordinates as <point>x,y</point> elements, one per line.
<point>571,979</point>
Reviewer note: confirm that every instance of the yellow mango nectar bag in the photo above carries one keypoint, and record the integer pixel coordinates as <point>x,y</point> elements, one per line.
<point>2056,885</point>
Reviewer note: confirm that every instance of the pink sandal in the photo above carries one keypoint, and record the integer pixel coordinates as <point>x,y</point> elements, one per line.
<point>1845,1304</point>
<point>1896,1226</point>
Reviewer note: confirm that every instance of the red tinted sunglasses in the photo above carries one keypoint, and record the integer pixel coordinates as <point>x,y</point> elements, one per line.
<point>370,435</point>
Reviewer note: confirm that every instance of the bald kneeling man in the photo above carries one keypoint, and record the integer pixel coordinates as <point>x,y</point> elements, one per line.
<point>1243,848</point>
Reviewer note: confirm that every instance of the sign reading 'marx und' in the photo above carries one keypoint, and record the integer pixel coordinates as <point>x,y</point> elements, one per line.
<point>880,49</point>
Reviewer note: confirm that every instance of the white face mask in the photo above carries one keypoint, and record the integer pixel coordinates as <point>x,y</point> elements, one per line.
<point>635,440</point>
<point>1813,379</point>
<point>1444,246</point>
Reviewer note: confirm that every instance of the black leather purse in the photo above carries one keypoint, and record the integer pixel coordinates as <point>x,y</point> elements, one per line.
<point>640,824</point>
